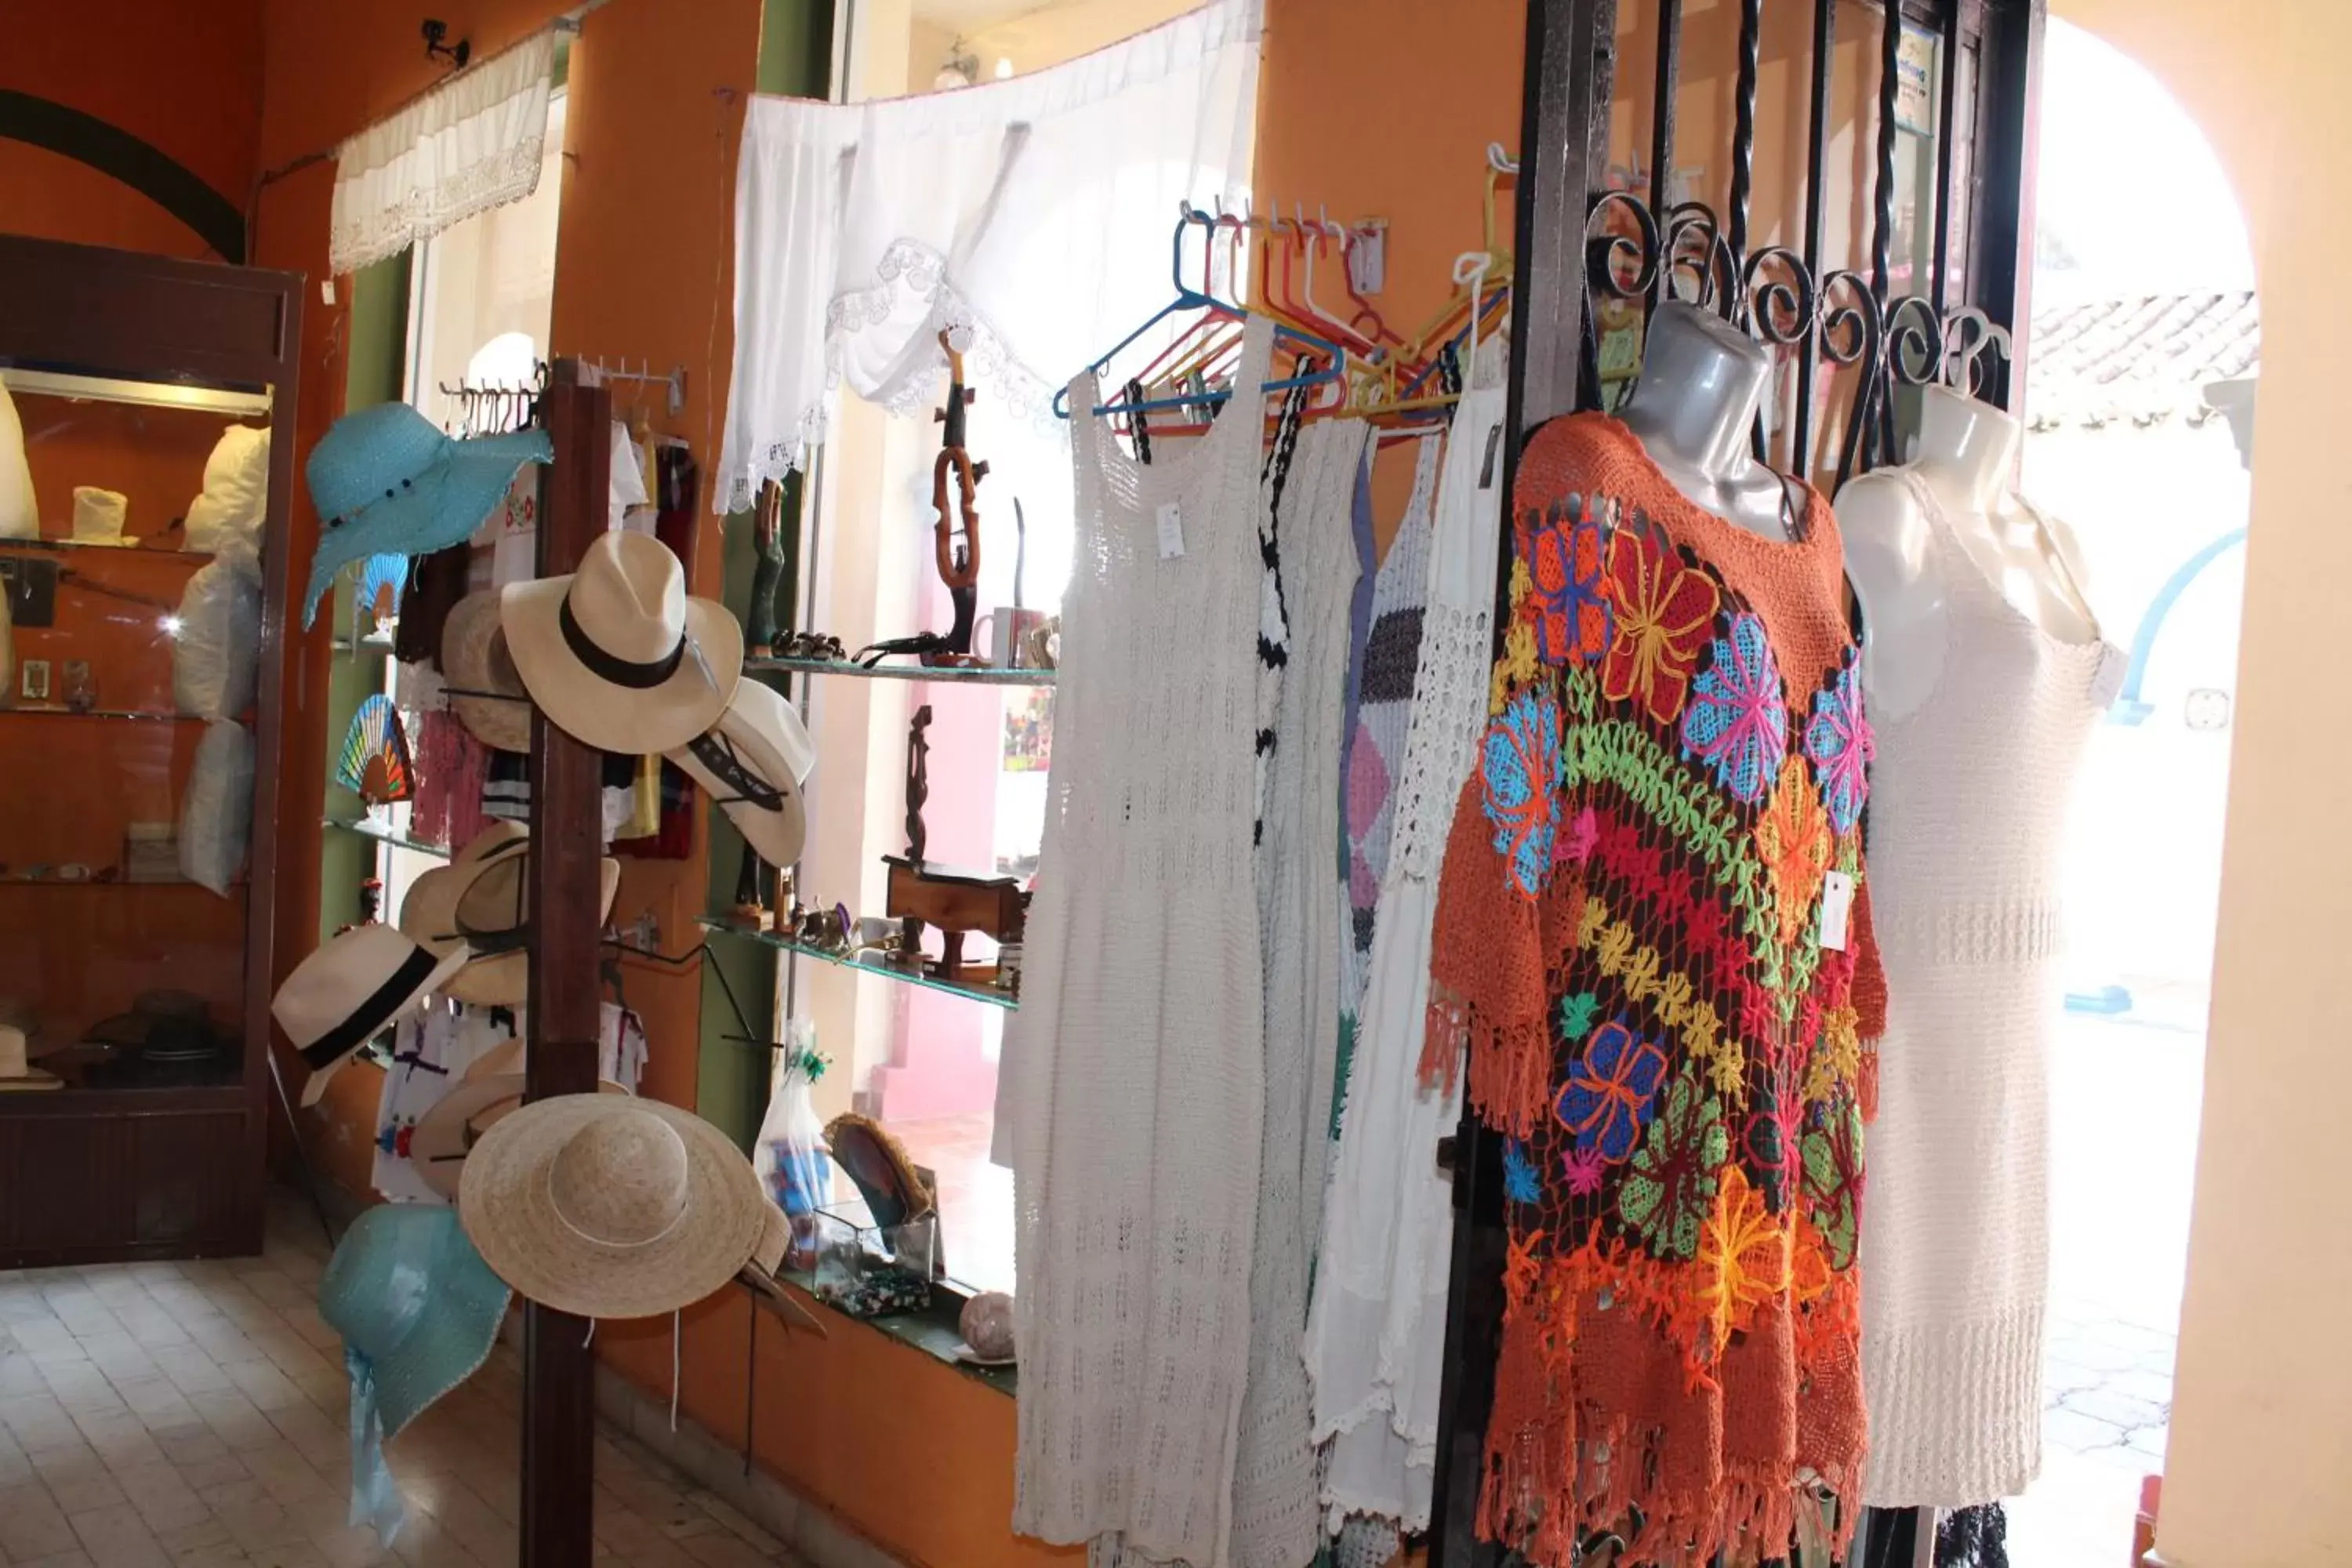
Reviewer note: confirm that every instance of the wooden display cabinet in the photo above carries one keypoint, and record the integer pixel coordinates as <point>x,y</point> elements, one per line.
<point>124,370</point>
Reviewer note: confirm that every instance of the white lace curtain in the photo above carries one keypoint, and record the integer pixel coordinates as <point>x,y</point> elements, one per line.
<point>1034,213</point>
<point>472,143</point>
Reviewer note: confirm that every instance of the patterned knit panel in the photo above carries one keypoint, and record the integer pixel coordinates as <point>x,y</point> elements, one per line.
<point>1383,681</point>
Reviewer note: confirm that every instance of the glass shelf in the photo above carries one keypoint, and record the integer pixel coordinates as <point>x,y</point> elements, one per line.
<point>136,549</point>
<point>59,711</point>
<point>988,994</point>
<point>986,675</point>
<point>384,833</point>
<point>374,642</point>
<point>10,883</point>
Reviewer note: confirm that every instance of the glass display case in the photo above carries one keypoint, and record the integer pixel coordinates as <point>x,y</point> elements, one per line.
<point>143,548</point>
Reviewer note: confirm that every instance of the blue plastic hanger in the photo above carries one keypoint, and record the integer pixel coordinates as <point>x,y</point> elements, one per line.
<point>1333,358</point>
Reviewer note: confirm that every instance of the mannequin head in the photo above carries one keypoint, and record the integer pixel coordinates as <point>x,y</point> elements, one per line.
<point>1702,379</point>
<point>1970,446</point>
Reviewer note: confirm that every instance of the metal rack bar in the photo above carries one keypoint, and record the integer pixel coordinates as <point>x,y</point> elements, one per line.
<point>1662,124</point>
<point>1817,125</point>
<point>559,1407</point>
<point>1743,125</point>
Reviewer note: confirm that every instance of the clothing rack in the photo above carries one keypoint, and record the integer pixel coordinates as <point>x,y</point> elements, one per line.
<point>1577,241</point>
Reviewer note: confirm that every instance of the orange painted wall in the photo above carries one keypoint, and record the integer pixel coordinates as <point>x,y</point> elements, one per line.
<point>186,79</point>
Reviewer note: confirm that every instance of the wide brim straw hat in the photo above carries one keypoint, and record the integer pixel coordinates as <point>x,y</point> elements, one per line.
<point>753,763</point>
<point>407,1290</point>
<point>347,990</point>
<point>447,1132</point>
<point>481,900</point>
<point>617,655</point>
<point>474,658</point>
<point>611,1207</point>
<point>767,1262</point>
<point>384,479</point>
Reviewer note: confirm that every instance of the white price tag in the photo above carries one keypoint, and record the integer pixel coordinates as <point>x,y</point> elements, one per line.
<point>1172,530</point>
<point>1837,908</point>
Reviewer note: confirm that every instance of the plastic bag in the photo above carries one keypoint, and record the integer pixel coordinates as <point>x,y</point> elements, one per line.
<point>235,494</point>
<point>20,515</point>
<point>791,1157</point>
<point>216,812</point>
<point>216,654</point>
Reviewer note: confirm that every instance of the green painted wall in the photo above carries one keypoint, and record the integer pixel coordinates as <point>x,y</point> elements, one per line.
<point>378,343</point>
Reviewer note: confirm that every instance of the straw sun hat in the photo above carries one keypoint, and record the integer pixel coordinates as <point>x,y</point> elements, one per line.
<point>447,1133</point>
<point>481,903</point>
<point>611,1207</point>
<point>474,658</point>
<point>753,763</point>
<point>617,654</point>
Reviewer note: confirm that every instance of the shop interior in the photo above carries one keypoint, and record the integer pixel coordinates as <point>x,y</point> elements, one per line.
<point>973,784</point>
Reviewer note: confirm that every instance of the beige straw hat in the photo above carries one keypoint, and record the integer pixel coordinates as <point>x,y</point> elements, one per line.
<point>339,997</point>
<point>481,899</point>
<point>609,1208</point>
<point>15,1075</point>
<point>474,658</point>
<point>447,1133</point>
<point>617,654</point>
<point>753,762</point>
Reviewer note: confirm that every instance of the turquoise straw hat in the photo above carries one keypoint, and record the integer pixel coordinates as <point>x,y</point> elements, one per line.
<point>418,1310</point>
<point>384,480</point>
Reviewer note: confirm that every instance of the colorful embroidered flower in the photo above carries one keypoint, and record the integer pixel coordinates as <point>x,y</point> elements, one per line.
<point>1793,839</point>
<point>1737,720</point>
<point>1522,772</point>
<point>1664,611</point>
<point>1519,1183</point>
<point>1743,1253</point>
<point>1573,620</point>
<point>1583,1168</point>
<point>1838,739</point>
<point>1577,1011</point>
<point>1611,1092</point>
<point>1670,1190</point>
<point>1833,1156</point>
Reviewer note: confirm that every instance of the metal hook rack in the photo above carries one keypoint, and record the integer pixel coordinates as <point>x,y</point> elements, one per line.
<point>596,372</point>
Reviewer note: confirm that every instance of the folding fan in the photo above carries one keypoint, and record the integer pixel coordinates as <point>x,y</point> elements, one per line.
<point>375,760</point>
<point>380,581</point>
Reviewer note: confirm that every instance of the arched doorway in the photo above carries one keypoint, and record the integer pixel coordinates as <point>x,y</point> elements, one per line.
<point>2145,344</point>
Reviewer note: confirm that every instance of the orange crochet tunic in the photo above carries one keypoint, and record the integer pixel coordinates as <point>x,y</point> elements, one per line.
<point>1630,943</point>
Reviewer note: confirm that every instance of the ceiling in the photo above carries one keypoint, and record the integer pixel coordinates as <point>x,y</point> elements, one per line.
<point>971,15</point>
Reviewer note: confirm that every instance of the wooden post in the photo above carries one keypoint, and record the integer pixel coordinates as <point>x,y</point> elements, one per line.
<point>559,1403</point>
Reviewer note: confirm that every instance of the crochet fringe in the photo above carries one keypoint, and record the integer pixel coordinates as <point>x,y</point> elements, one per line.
<point>1558,1471</point>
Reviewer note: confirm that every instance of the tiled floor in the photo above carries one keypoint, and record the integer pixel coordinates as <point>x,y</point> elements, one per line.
<point>195,1413</point>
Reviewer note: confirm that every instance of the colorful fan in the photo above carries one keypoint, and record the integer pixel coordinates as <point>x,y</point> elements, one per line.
<point>382,578</point>
<point>375,760</point>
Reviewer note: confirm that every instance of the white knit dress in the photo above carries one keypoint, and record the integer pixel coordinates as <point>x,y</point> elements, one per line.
<point>1968,809</point>
<point>1376,1333</point>
<point>1132,1087</point>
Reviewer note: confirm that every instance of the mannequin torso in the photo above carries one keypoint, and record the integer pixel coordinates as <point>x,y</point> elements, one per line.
<point>1693,409</point>
<point>1967,454</point>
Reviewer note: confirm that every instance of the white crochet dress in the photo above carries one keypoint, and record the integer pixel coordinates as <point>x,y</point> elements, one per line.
<point>1374,1338</point>
<point>1968,810</point>
<point>1133,1089</point>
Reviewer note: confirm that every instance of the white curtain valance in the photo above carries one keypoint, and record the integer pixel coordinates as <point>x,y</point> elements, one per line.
<point>1033,214</point>
<point>472,143</point>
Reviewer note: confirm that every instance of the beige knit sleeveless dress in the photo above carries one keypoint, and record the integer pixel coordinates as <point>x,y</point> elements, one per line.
<point>1969,800</point>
